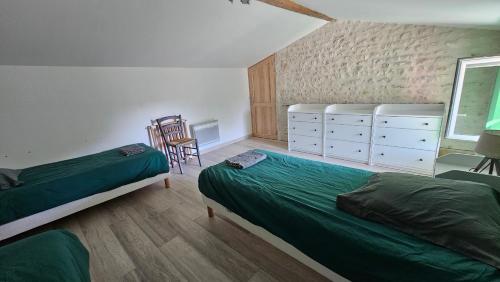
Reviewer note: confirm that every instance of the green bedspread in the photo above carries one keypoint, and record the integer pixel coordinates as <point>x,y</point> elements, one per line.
<point>47,257</point>
<point>50,185</point>
<point>295,200</point>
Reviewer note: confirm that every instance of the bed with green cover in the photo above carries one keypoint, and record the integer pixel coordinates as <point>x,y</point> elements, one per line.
<point>295,200</point>
<point>52,256</point>
<point>97,178</point>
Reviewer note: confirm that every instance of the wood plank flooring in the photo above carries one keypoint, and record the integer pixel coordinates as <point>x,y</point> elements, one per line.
<point>158,234</point>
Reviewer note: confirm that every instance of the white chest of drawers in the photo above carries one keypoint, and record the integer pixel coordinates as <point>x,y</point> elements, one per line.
<point>348,130</point>
<point>306,128</point>
<point>406,136</point>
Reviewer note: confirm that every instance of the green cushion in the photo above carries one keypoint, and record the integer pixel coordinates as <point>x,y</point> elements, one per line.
<point>460,215</point>
<point>51,256</point>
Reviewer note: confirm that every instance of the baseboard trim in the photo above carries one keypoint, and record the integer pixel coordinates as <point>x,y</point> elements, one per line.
<point>220,145</point>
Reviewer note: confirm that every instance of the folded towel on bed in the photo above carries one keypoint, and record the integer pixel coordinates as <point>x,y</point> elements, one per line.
<point>246,160</point>
<point>9,178</point>
<point>131,150</point>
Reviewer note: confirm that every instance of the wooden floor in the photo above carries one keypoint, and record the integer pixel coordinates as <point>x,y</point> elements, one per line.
<point>158,234</point>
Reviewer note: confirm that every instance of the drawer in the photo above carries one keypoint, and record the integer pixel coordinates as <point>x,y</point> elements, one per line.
<point>313,117</point>
<point>349,119</point>
<point>306,144</point>
<point>404,158</point>
<point>408,138</point>
<point>348,132</point>
<point>312,129</point>
<point>347,150</point>
<point>409,122</point>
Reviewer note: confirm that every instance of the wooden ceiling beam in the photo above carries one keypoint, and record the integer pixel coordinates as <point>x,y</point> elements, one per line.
<point>297,8</point>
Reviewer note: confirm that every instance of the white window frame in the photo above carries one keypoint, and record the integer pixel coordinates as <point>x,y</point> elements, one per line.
<point>462,65</point>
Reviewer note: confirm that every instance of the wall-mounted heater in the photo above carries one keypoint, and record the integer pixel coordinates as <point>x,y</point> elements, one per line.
<point>206,132</point>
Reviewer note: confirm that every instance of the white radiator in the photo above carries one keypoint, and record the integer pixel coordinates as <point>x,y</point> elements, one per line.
<point>206,132</point>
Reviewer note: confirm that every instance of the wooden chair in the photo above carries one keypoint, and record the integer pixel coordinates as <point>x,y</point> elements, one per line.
<point>179,145</point>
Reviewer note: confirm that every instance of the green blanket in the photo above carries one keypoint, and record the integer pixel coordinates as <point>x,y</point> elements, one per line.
<point>51,185</point>
<point>47,257</point>
<point>295,199</point>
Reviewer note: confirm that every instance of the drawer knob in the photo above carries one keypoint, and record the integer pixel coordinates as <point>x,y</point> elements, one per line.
<point>359,151</point>
<point>315,130</point>
<point>382,154</point>
<point>385,121</point>
<point>421,160</point>
<point>293,116</point>
<point>331,147</point>
<point>315,118</point>
<point>426,123</point>
<point>423,140</point>
<point>383,136</point>
<point>361,121</point>
<point>293,141</point>
<point>333,118</point>
<point>293,128</point>
<point>315,144</point>
<point>331,131</point>
<point>361,134</point>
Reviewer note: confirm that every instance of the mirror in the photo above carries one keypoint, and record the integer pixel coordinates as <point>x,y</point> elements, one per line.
<point>475,103</point>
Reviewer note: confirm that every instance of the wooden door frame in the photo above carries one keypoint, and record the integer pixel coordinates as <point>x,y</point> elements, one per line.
<point>272,90</point>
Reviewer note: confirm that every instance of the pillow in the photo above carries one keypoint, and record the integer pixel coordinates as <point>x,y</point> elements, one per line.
<point>9,178</point>
<point>460,215</point>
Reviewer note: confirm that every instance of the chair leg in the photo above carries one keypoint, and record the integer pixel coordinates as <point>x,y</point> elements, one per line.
<point>198,152</point>
<point>210,212</point>
<point>178,158</point>
<point>170,156</point>
<point>185,155</point>
<point>167,155</point>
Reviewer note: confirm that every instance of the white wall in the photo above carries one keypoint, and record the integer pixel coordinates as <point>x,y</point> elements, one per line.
<point>53,113</point>
<point>152,33</point>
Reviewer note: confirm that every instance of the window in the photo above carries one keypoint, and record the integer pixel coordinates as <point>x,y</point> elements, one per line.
<point>475,103</point>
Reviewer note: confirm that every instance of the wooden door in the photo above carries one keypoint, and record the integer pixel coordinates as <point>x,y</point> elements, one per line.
<point>262,81</point>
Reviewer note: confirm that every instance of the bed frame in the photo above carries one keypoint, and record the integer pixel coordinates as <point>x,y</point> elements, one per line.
<point>26,223</point>
<point>213,206</point>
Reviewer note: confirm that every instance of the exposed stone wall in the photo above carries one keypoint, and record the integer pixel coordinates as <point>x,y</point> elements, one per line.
<point>362,62</point>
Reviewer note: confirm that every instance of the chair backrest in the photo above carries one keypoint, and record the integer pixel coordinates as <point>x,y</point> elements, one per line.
<point>171,128</point>
<point>155,138</point>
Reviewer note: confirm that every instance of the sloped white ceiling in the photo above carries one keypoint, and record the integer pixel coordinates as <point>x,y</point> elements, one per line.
<point>194,33</point>
<point>149,33</point>
<point>464,13</point>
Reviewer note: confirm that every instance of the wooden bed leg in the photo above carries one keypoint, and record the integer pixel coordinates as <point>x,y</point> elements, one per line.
<point>210,212</point>
<point>167,183</point>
